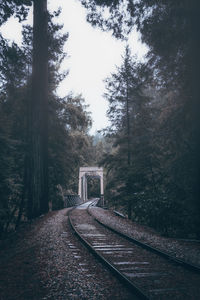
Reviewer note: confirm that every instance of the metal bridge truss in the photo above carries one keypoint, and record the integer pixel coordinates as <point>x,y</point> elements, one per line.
<point>86,172</point>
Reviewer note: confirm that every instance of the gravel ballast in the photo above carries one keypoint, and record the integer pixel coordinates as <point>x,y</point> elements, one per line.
<point>157,277</point>
<point>187,250</point>
<point>44,260</point>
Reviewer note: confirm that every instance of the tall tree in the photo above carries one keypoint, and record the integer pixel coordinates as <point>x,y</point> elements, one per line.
<point>68,126</point>
<point>127,112</point>
<point>38,126</point>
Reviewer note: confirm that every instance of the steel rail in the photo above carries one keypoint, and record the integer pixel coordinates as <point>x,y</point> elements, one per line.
<point>164,254</point>
<point>118,274</point>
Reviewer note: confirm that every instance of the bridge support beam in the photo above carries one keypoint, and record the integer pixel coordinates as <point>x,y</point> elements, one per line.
<point>102,191</point>
<point>79,185</point>
<point>84,172</point>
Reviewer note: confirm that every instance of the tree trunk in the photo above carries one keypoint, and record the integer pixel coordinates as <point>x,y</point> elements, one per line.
<point>128,150</point>
<point>38,127</point>
<point>128,126</point>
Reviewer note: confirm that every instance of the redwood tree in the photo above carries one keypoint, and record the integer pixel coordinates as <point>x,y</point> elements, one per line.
<point>38,118</point>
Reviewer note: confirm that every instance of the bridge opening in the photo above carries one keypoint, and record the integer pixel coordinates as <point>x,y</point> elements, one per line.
<point>90,175</point>
<point>93,187</point>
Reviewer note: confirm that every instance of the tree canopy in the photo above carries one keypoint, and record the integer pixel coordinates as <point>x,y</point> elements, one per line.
<point>18,8</point>
<point>69,121</point>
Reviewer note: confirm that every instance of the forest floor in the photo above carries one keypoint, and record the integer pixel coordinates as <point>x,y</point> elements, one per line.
<point>44,260</point>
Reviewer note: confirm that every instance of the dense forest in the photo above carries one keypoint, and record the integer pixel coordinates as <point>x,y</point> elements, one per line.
<point>153,168</point>
<point>69,121</point>
<point>150,151</point>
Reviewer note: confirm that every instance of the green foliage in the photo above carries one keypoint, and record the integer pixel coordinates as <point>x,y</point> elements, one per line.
<point>166,139</point>
<point>69,122</point>
<point>12,107</point>
<point>68,142</point>
<point>129,113</point>
<point>19,8</point>
<point>93,187</point>
<point>155,186</point>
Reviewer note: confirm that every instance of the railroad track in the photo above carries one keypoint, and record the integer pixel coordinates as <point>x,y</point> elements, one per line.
<point>178,261</point>
<point>145,272</point>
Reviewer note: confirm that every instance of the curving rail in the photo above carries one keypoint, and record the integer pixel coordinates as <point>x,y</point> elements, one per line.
<point>145,271</point>
<point>164,254</point>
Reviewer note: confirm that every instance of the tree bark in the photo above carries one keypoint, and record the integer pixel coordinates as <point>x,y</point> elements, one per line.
<point>38,163</point>
<point>128,149</point>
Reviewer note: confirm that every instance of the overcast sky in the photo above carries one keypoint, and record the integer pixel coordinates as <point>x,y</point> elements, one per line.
<point>93,56</point>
